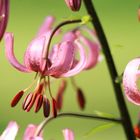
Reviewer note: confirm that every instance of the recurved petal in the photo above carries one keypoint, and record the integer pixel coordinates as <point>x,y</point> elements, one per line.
<point>30,132</point>
<point>93,52</point>
<point>68,134</point>
<point>9,44</point>
<point>80,64</point>
<point>46,26</point>
<point>64,55</point>
<point>33,55</point>
<point>10,132</point>
<point>130,77</point>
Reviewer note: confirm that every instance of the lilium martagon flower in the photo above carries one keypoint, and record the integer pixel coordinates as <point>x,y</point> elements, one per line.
<point>130,79</point>
<point>4,13</point>
<point>60,63</point>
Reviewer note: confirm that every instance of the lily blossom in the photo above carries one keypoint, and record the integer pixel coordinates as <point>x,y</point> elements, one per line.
<point>30,132</point>
<point>130,78</point>
<point>10,132</point>
<point>60,63</point>
<point>4,13</point>
<point>68,134</point>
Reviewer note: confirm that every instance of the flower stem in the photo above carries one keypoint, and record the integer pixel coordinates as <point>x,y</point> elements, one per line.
<point>84,116</point>
<point>127,125</point>
<point>46,49</point>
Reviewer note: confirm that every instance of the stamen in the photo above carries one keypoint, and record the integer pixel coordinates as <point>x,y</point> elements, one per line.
<point>30,85</point>
<point>46,107</point>
<point>31,103</point>
<point>27,101</point>
<point>59,97</point>
<point>49,87</point>
<point>54,108</point>
<point>81,98</point>
<point>17,98</point>
<point>39,102</point>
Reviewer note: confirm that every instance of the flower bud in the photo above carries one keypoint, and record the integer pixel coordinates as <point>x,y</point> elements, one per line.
<point>74,5</point>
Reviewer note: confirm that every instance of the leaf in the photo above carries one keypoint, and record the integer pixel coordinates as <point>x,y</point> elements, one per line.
<point>100,128</point>
<point>103,114</point>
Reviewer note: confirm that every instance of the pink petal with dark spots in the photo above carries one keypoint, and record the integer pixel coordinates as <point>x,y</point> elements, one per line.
<point>9,44</point>
<point>130,78</point>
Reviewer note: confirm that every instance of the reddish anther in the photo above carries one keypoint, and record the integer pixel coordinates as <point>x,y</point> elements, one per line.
<point>81,98</point>
<point>54,108</point>
<point>38,103</point>
<point>17,98</point>
<point>46,107</point>
<point>59,98</point>
<point>27,101</point>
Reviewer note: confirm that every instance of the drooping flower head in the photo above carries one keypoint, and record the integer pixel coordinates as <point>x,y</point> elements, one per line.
<point>62,61</point>
<point>130,78</point>
<point>4,13</point>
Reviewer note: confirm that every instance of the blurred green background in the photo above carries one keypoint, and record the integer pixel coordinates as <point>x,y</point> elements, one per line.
<point>122,28</point>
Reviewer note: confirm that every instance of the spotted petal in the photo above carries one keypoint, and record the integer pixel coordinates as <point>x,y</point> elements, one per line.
<point>10,132</point>
<point>81,63</point>
<point>63,59</point>
<point>93,53</point>
<point>33,56</point>
<point>130,77</point>
<point>68,134</point>
<point>9,44</point>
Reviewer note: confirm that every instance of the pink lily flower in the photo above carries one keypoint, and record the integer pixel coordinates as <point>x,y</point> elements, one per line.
<point>60,63</point>
<point>68,134</point>
<point>61,57</point>
<point>30,132</point>
<point>10,132</point>
<point>4,13</point>
<point>130,78</point>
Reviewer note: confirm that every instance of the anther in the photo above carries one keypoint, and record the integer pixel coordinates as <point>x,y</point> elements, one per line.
<point>46,107</point>
<point>38,103</point>
<point>27,101</point>
<point>81,98</point>
<point>59,97</point>
<point>54,108</point>
<point>17,98</point>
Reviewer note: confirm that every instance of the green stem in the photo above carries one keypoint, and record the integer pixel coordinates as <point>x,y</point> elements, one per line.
<point>84,116</point>
<point>126,123</point>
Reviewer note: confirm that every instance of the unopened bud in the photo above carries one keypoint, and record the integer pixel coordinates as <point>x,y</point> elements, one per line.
<point>74,5</point>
